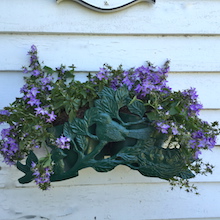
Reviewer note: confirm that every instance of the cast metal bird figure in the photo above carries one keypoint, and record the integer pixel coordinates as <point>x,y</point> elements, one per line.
<point>111,131</point>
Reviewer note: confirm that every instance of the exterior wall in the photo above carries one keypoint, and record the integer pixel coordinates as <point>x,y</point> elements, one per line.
<point>186,31</point>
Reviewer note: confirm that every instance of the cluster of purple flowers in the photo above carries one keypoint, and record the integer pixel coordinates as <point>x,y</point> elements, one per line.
<point>142,80</point>
<point>42,176</point>
<point>200,140</point>
<point>34,63</point>
<point>63,142</point>
<point>33,94</point>
<point>5,112</point>
<point>34,101</point>
<point>192,105</point>
<point>165,128</point>
<point>9,146</point>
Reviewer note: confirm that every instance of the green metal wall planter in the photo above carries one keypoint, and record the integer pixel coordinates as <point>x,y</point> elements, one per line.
<point>116,117</point>
<point>126,139</point>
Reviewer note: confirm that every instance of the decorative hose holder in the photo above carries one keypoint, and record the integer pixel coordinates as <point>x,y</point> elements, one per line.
<point>117,117</point>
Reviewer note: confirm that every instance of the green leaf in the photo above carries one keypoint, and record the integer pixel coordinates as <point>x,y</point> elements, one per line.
<point>82,143</point>
<point>121,96</point>
<point>45,161</point>
<point>107,92</point>
<point>79,126</point>
<point>173,111</point>
<point>72,114</point>
<point>48,69</point>
<point>90,115</point>
<point>137,107</point>
<point>107,105</point>
<point>67,132</point>
<point>56,131</point>
<point>152,116</point>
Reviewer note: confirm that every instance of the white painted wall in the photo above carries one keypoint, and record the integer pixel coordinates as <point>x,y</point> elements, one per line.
<point>184,31</point>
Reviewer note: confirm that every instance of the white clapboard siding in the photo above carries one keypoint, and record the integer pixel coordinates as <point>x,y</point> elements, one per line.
<point>164,17</point>
<point>185,31</point>
<point>206,84</point>
<point>193,53</point>
<point>114,202</point>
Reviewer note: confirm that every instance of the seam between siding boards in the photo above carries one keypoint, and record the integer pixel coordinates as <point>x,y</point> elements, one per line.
<point>110,34</point>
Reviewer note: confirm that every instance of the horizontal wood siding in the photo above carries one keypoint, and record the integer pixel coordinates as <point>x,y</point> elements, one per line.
<point>89,52</point>
<point>187,32</point>
<point>165,17</point>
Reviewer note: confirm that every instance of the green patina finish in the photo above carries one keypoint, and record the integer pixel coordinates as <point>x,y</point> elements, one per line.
<point>106,137</point>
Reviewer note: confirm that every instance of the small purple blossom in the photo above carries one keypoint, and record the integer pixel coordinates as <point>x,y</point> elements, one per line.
<point>102,74</point>
<point>37,127</point>
<point>25,70</point>
<point>195,108</point>
<point>34,101</point>
<point>200,140</point>
<point>52,117</point>
<point>46,80</point>
<point>24,89</point>
<point>9,146</point>
<point>197,153</point>
<point>34,91</point>
<point>191,93</point>
<point>36,72</point>
<point>41,175</point>
<point>162,127</point>
<point>33,49</point>
<point>63,142</point>
<point>174,130</point>
<point>5,112</point>
<point>40,111</point>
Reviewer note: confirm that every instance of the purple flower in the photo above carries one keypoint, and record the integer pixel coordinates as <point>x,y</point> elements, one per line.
<point>34,101</point>
<point>195,108</point>
<point>24,89</point>
<point>5,132</point>
<point>37,127</point>
<point>33,49</point>
<point>9,146</point>
<point>25,70</point>
<point>5,112</point>
<point>34,91</point>
<point>102,74</point>
<point>36,73</point>
<point>197,153</point>
<point>63,142</point>
<point>127,81</point>
<point>41,111</point>
<point>41,176</point>
<point>191,93</point>
<point>162,127</point>
<point>199,139</point>
<point>46,80</point>
<point>174,130</point>
<point>52,117</point>
<point>49,87</point>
